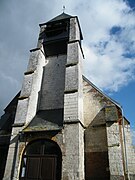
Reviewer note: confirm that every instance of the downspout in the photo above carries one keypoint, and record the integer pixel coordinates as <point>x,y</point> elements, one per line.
<point>124,147</point>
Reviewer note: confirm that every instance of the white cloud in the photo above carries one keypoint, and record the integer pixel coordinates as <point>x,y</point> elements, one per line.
<point>99,16</point>
<point>109,69</point>
<point>105,62</point>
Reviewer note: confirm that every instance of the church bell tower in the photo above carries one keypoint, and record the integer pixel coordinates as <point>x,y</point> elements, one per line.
<point>47,139</point>
<point>56,35</point>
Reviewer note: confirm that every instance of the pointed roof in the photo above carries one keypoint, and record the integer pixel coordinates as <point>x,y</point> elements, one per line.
<point>62,16</point>
<point>45,120</point>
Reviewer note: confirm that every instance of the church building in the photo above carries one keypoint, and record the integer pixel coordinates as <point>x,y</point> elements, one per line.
<point>60,126</point>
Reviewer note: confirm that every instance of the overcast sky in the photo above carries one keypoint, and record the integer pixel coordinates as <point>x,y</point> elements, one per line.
<point>108,28</point>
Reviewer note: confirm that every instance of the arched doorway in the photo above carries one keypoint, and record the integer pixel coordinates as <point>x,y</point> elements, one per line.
<point>41,160</point>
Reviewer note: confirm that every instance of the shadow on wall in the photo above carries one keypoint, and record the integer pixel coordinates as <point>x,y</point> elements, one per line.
<point>96,154</point>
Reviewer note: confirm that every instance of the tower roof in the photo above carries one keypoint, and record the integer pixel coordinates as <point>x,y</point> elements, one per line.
<point>62,16</point>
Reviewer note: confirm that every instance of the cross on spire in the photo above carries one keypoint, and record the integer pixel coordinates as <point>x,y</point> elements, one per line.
<point>63,8</point>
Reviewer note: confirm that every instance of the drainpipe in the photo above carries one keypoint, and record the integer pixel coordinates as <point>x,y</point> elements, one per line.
<point>124,147</point>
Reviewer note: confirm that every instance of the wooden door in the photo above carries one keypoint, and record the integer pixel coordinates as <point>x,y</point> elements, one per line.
<point>40,168</point>
<point>41,160</point>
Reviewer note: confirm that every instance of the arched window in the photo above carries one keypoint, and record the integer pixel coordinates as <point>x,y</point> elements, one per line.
<point>41,160</point>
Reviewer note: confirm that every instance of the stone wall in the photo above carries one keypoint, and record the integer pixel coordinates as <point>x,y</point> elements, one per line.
<point>103,135</point>
<point>28,100</point>
<point>96,155</point>
<point>53,83</point>
<point>73,159</point>
<point>130,150</point>
<point>94,101</point>
<point>115,150</point>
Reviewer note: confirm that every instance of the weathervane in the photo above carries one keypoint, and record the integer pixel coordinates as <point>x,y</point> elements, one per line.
<point>63,9</point>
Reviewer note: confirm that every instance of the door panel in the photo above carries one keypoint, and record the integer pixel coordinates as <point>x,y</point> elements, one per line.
<point>48,169</point>
<point>41,168</point>
<point>32,168</point>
